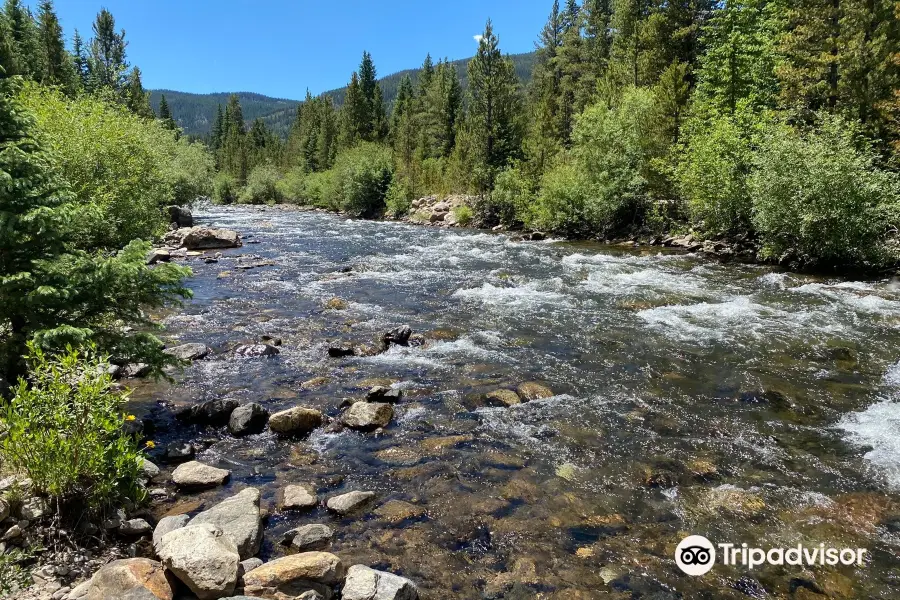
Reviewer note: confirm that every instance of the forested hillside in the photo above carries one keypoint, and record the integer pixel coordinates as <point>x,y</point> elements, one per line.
<point>195,113</point>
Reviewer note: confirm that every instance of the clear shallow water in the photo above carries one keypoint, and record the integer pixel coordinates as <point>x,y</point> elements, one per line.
<point>725,400</point>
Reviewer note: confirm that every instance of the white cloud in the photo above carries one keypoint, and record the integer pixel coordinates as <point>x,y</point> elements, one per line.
<point>478,38</point>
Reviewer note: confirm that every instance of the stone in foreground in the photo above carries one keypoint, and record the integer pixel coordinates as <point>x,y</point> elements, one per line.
<point>203,558</point>
<point>203,238</point>
<point>347,503</point>
<point>138,578</point>
<point>533,391</point>
<point>297,497</point>
<point>188,351</point>
<point>288,577</point>
<point>295,421</point>
<point>367,416</point>
<point>167,525</point>
<point>196,475</point>
<point>248,419</point>
<point>364,583</point>
<point>503,398</point>
<point>239,517</point>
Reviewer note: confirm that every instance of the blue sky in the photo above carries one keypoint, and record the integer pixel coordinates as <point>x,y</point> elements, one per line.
<point>280,47</point>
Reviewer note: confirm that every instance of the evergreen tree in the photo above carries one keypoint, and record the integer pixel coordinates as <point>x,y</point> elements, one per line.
<point>233,158</point>
<point>354,114</point>
<point>327,139</point>
<point>108,67</point>
<point>80,62</point>
<point>24,38</point>
<point>218,129</point>
<point>58,68</point>
<point>404,129</point>
<point>545,90</point>
<point>136,98</point>
<point>165,114</point>
<point>494,111</point>
<point>426,74</point>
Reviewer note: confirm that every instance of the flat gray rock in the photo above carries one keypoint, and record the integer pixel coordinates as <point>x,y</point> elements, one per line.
<point>239,517</point>
<point>196,475</point>
<point>349,502</point>
<point>203,558</point>
<point>367,416</point>
<point>363,583</point>
<point>188,351</point>
<point>297,497</point>
<point>312,537</point>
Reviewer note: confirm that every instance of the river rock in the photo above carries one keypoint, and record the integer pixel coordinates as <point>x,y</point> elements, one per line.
<point>130,579</point>
<point>297,497</point>
<point>311,537</point>
<point>34,508</point>
<point>347,503</point>
<point>180,216</point>
<point>196,475</point>
<point>210,412</point>
<point>533,391</point>
<point>168,525</point>
<point>340,351</point>
<point>502,398</point>
<point>363,583</point>
<point>288,577</point>
<point>398,335</point>
<point>379,393</point>
<point>397,511</point>
<point>136,370</point>
<point>177,451</point>
<point>148,470</point>
<point>247,419</point>
<point>203,238</point>
<point>188,351</point>
<point>296,421</point>
<point>4,509</point>
<point>203,558</point>
<point>135,527</point>
<point>367,416</point>
<point>158,255</point>
<point>239,517</point>
<point>256,350</point>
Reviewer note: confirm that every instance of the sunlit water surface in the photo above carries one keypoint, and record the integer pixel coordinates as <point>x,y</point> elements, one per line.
<point>727,400</point>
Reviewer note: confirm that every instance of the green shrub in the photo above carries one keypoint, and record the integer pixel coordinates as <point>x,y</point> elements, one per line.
<point>262,186</point>
<point>819,194</point>
<point>712,176</point>
<point>464,215</point>
<point>65,431</point>
<point>292,186</point>
<point>225,188</point>
<point>122,169</point>
<point>602,185</point>
<point>398,198</point>
<point>321,190</point>
<point>362,176</point>
<point>510,200</point>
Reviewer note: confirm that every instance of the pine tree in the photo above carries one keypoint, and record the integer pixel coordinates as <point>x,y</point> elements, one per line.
<point>108,67</point>
<point>426,74</point>
<point>80,62</point>
<point>327,139</point>
<point>165,114</point>
<point>545,88</point>
<point>404,126</point>
<point>494,111</point>
<point>379,117</point>
<point>24,38</point>
<point>234,152</point>
<point>354,114</point>
<point>218,129</point>
<point>58,68</point>
<point>135,97</point>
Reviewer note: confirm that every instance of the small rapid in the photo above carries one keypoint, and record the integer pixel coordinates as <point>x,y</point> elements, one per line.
<point>729,400</point>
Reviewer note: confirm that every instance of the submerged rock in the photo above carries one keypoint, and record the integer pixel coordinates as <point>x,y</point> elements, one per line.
<point>190,351</point>
<point>256,350</point>
<point>502,398</point>
<point>138,578</point>
<point>533,391</point>
<point>340,351</point>
<point>203,558</point>
<point>296,421</point>
<point>398,335</point>
<point>177,451</point>
<point>239,517</point>
<point>367,416</point>
<point>291,576</point>
<point>363,583</point>
<point>196,475</point>
<point>247,419</point>
<point>384,394</point>
<point>349,502</point>
<point>211,412</point>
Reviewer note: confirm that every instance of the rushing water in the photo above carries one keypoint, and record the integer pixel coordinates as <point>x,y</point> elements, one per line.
<point>726,400</point>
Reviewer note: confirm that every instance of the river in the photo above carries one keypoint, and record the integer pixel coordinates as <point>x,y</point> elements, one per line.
<point>692,397</point>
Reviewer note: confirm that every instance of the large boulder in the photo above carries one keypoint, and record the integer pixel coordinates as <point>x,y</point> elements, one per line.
<point>367,416</point>
<point>239,517</point>
<point>349,502</point>
<point>167,525</point>
<point>210,412</point>
<point>288,577</point>
<point>130,579</point>
<point>311,537</point>
<point>180,216</point>
<point>191,351</point>
<point>364,583</point>
<point>196,475</point>
<point>203,238</point>
<point>203,558</point>
<point>296,421</point>
<point>247,419</point>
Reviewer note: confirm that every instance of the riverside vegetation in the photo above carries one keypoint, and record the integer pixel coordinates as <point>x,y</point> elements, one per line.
<point>776,124</point>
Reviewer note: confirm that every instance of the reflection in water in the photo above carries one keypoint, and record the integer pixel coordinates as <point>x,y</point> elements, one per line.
<point>728,401</point>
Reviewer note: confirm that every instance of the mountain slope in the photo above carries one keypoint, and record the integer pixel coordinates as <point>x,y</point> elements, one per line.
<point>195,113</point>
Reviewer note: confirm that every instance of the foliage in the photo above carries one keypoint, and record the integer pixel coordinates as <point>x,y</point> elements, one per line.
<point>361,177</point>
<point>65,431</point>
<point>511,199</point>
<point>121,169</point>
<point>13,575</point>
<point>52,292</point>
<point>819,195</point>
<point>464,215</point>
<point>225,189</point>
<point>262,186</point>
<point>398,199</point>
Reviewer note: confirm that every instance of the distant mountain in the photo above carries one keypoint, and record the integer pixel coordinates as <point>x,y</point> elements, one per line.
<point>195,113</point>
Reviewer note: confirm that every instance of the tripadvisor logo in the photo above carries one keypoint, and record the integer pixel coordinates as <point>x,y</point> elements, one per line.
<point>696,555</point>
